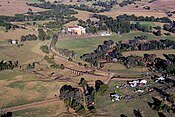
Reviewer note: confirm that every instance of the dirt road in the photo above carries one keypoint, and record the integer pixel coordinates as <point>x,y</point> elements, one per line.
<point>31,105</point>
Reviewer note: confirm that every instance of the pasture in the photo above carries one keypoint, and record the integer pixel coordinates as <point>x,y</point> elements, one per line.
<point>16,34</point>
<point>24,54</point>
<point>12,7</point>
<point>21,87</point>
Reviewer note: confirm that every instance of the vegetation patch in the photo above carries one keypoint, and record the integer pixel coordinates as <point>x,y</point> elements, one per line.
<point>45,49</point>
<point>18,85</point>
<point>9,75</point>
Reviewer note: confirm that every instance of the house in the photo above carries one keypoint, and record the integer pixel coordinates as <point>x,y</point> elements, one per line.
<point>139,91</point>
<point>143,82</point>
<point>76,30</point>
<point>13,41</point>
<point>115,97</point>
<point>160,79</point>
<point>105,34</point>
<point>136,83</point>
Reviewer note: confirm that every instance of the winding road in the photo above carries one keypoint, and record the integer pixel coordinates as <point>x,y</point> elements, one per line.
<point>71,65</point>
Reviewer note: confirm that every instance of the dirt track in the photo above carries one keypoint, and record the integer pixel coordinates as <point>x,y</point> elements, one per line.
<point>31,105</point>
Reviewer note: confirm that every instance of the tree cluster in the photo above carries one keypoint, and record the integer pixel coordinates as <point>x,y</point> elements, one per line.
<point>143,44</point>
<point>29,37</point>
<point>72,98</point>
<point>110,52</point>
<point>100,87</point>
<point>160,106</point>
<point>132,17</point>
<point>127,2</point>
<point>85,7</point>
<point>56,66</point>
<point>8,114</point>
<point>79,98</point>
<point>59,13</point>
<point>121,26</point>
<point>41,34</point>
<point>163,66</point>
<point>107,5</point>
<point>8,26</point>
<point>89,94</point>
<point>169,27</point>
<point>100,54</point>
<point>66,52</point>
<point>133,61</point>
<point>92,27</point>
<point>49,59</point>
<point>8,65</point>
<point>45,49</point>
<point>30,66</point>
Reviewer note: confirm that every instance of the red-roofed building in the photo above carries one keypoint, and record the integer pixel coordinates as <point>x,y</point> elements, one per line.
<point>76,30</point>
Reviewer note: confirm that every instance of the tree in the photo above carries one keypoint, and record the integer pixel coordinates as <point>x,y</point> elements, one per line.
<point>83,83</point>
<point>161,114</point>
<point>137,113</point>
<point>8,114</point>
<point>30,11</point>
<point>42,34</point>
<point>122,115</point>
<point>62,66</point>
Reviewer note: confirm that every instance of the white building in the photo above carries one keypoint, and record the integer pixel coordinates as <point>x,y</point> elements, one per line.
<point>160,79</point>
<point>76,30</point>
<point>135,83</point>
<point>115,97</point>
<point>105,34</point>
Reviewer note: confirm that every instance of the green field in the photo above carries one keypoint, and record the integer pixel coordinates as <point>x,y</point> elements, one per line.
<point>87,45</point>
